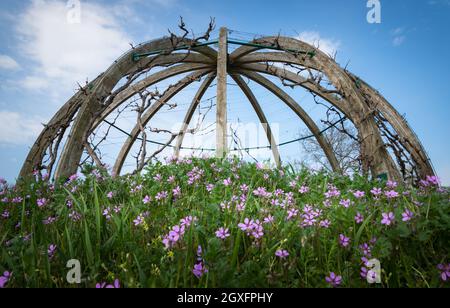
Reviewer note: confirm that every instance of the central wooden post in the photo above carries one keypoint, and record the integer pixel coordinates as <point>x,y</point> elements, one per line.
<point>221,108</point>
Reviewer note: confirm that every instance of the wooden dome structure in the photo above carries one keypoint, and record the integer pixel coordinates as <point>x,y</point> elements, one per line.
<point>388,146</point>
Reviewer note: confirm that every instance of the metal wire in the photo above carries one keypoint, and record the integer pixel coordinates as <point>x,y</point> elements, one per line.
<point>235,149</point>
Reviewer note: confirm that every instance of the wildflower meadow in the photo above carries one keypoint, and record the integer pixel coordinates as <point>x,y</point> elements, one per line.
<point>203,222</point>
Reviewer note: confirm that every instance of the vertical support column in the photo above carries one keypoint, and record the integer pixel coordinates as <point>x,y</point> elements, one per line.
<point>221,108</point>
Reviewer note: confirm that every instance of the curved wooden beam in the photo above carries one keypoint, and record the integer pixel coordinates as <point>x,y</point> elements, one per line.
<point>280,57</point>
<point>262,117</point>
<point>409,138</point>
<point>302,51</point>
<point>406,135</point>
<point>73,149</point>
<point>301,113</point>
<point>374,154</point>
<point>151,112</point>
<point>190,113</point>
<point>60,121</point>
<point>145,83</point>
<point>340,104</point>
<point>170,59</point>
<point>358,100</point>
<point>295,79</point>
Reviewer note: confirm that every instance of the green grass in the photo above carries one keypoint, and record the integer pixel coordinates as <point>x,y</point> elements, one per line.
<point>116,248</point>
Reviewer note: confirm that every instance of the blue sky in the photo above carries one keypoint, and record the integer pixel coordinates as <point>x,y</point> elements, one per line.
<point>42,58</point>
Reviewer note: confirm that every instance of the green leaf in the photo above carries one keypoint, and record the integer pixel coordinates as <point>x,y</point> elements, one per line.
<point>88,245</point>
<point>362,227</point>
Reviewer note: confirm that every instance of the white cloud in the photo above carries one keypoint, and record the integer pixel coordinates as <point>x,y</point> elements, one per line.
<point>398,40</point>
<point>66,53</point>
<point>162,3</point>
<point>34,83</point>
<point>127,14</point>
<point>398,36</point>
<point>8,63</point>
<point>18,129</point>
<point>444,174</point>
<point>166,3</point>
<point>397,31</point>
<point>439,2</point>
<point>328,46</point>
